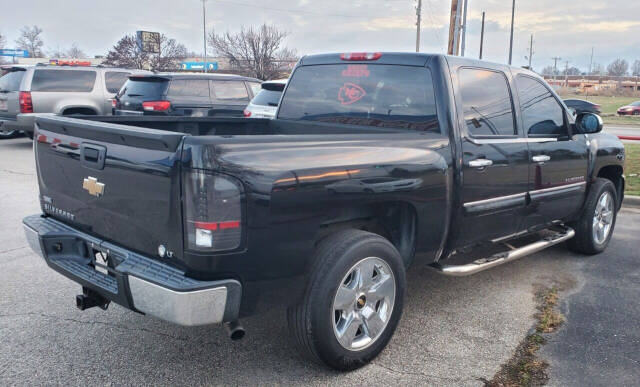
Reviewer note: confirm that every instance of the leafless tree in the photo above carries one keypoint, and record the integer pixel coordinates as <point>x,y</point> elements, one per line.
<point>75,52</point>
<point>31,41</point>
<point>57,53</point>
<point>255,51</point>
<point>126,53</point>
<point>635,67</point>
<point>571,71</point>
<point>618,68</point>
<point>549,70</point>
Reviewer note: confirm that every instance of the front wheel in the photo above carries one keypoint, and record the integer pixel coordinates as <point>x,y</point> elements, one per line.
<point>8,134</point>
<point>353,301</point>
<point>597,221</point>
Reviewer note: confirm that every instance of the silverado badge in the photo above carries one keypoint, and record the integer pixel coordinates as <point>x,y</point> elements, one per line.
<point>92,185</point>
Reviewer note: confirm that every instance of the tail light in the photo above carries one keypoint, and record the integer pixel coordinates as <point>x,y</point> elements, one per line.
<point>246,113</point>
<point>156,106</point>
<point>213,211</point>
<point>361,56</point>
<point>26,104</point>
<point>114,103</point>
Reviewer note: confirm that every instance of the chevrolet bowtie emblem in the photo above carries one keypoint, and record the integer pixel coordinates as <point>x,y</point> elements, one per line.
<point>93,187</point>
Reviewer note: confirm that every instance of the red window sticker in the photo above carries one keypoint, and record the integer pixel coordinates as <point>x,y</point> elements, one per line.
<point>356,71</point>
<point>350,93</point>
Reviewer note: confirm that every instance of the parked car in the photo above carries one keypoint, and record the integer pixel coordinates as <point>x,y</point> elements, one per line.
<point>632,109</point>
<point>65,90</point>
<point>578,106</point>
<point>210,220</point>
<point>193,95</point>
<point>9,93</point>
<point>265,103</point>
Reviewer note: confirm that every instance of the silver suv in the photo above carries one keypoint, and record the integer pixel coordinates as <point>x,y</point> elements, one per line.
<point>61,90</point>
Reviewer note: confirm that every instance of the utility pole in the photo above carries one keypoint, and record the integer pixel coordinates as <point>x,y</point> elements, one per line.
<point>555,66</point>
<point>566,73</point>
<point>204,36</point>
<point>513,13</point>
<point>530,51</point>
<point>453,24</point>
<point>590,62</point>
<point>419,18</point>
<point>482,35</point>
<point>464,28</point>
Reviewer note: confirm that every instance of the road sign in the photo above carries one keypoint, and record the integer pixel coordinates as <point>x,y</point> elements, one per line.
<point>198,66</point>
<point>13,52</point>
<point>148,41</point>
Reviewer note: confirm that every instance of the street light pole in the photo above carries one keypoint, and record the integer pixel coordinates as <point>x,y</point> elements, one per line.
<point>418,19</point>
<point>204,36</point>
<point>482,36</point>
<point>513,11</point>
<point>464,28</point>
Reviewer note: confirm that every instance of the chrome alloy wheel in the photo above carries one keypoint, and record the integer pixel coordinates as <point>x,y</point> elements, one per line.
<point>363,303</point>
<point>603,218</point>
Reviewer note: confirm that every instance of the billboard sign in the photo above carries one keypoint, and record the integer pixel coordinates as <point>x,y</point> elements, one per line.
<point>148,41</point>
<point>14,53</point>
<point>211,66</point>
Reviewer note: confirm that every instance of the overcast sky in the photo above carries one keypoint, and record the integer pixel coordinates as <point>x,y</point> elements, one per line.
<point>568,29</point>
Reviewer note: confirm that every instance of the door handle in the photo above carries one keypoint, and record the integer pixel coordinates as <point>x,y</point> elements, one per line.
<point>480,163</point>
<point>540,158</point>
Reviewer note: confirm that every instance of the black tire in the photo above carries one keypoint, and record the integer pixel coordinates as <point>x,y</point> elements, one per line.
<point>585,242</point>
<point>29,134</point>
<point>9,134</point>
<point>311,322</point>
<point>636,112</point>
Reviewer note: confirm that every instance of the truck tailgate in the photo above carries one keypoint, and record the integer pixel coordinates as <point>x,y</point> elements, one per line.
<point>117,182</point>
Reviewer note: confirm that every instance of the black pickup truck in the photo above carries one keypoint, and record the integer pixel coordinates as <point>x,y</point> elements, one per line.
<point>376,161</point>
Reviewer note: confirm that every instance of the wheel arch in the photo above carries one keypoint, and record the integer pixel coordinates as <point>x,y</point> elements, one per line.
<point>614,173</point>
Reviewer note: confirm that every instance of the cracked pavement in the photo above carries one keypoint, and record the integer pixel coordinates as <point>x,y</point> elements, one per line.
<point>454,331</point>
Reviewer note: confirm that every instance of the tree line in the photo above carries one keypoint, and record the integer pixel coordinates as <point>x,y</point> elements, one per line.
<point>617,68</point>
<point>258,52</point>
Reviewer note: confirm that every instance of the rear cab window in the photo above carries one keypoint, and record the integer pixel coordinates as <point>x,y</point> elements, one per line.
<point>79,81</point>
<point>388,96</point>
<point>229,91</point>
<point>11,81</point>
<point>113,80</point>
<point>487,103</point>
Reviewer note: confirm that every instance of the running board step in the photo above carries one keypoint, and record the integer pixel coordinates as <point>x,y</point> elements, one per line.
<point>508,256</point>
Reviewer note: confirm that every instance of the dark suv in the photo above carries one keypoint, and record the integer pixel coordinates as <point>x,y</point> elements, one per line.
<point>195,95</point>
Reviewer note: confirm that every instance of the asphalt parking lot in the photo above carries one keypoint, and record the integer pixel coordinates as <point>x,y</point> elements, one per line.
<point>455,331</point>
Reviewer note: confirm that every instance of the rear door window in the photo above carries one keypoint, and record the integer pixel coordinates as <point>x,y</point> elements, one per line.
<point>234,91</point>
<point>541,113</point>
<point>189,88</point>
<point>114,80</point>
<point>11,81</point>
<point>81,81</point>
<point>487,105</point>
<point>389,96</point>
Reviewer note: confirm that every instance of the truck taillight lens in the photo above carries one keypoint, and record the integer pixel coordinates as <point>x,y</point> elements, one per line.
<point>213,211</point>
<point>246,113</point>
<point>26,104</point>
<point>114,102</point>
<point>156,106</point>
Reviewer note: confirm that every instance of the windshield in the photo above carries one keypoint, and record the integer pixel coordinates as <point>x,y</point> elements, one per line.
<point>267,98</point>
<point>390,96</point>
<point>144,87</point>
<point>11,81</point>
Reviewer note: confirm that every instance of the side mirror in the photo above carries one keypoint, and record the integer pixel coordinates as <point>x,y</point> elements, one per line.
<point>589,123</point>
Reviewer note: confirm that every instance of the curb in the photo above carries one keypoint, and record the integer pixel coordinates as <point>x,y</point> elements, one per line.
<point>633,138</point>
<point>631,201</point>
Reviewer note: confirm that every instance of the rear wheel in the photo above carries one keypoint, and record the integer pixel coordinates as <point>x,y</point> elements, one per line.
<point>8,134</point>
<point>636,112</point>
<point>353,301</point>
<point>597,221</point>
